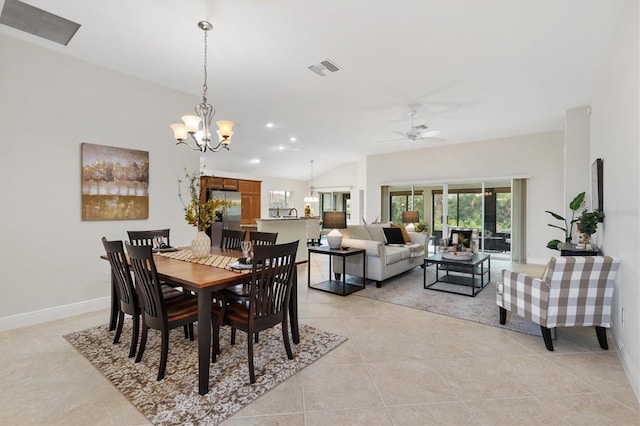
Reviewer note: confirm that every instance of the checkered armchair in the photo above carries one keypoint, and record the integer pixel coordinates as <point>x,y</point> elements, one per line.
<point>574,291</point>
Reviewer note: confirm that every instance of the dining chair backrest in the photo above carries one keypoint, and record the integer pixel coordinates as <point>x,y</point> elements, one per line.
<point>148,238</point>
<point>272,278</point>
<point>149,290</point>
<point>262,238</point>
<point>231,239</point>
<point>121,274</point>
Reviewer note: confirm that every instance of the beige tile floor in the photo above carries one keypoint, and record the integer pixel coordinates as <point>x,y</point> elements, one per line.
<point>400,366</point>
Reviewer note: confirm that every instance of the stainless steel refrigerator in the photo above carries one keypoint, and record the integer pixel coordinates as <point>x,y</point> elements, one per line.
<point>231,215</point>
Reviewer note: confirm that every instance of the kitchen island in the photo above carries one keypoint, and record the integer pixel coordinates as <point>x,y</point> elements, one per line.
<point>288,229</point>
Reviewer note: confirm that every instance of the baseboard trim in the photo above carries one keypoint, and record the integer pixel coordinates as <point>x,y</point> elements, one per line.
<point>629,369</point>
<point>54,313</point>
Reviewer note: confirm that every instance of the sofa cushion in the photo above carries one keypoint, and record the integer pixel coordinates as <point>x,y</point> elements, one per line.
<point>405,234</point>
<point>376,233</point>
<point>396,254</point>
<point>393,235</point>
<point>356,232</point>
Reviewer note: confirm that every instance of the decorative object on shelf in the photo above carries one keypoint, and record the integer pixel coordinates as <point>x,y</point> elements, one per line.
<point>115,183</point>
<point>334,221</point>
<point>422,227</point>
<point>199,214</point>
<point>588,225</point>
<point>198,127</point>
<point>575,204</point>
<point>311,198</point>
<point>307,210</point>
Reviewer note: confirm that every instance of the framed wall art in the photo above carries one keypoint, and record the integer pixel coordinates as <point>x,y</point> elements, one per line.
<point>115,183</point>
<point>596,185</point>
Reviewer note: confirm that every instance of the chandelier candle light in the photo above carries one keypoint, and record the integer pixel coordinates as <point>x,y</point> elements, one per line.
<point>198,128</point>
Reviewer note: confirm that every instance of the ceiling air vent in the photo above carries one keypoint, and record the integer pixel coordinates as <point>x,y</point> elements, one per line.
<point>323,66</point>
<point>38,22</point>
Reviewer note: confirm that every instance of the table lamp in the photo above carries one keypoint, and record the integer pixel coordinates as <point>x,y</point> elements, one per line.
<point>410,217</point>
<point>334,221</point>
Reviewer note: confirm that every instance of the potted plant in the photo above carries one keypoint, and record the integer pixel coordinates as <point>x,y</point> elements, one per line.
<point>199,214</point>
<point>588,224</point>
<point>575,204</point>
<point>422,227</point>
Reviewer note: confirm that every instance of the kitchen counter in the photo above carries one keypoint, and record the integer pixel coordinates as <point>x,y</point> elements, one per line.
<point>288,229</point>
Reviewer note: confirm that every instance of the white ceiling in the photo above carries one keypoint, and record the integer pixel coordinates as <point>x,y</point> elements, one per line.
<point>474,69</point>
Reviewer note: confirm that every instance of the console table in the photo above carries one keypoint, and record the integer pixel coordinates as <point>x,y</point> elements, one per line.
<point>341,288</point>
<point>470,273</point>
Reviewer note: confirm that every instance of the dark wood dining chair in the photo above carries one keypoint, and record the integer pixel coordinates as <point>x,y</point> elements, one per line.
<point>231,239</point>
<point>128,302</point>
<point>270,291</point>
<point>262,238</point>
<point>159,313</point>
<point>148,238</point>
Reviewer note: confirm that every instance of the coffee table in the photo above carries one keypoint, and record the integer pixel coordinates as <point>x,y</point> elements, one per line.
<point>469,273</point>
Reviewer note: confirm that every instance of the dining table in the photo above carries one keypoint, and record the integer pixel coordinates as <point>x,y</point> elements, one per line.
<point>203,279</point>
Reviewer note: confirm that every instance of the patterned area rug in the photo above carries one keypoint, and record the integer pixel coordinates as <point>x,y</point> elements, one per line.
<point>407,290</point>
<point>175,399</point>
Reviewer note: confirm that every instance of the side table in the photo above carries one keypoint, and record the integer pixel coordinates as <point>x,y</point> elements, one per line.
<point>341,288</point>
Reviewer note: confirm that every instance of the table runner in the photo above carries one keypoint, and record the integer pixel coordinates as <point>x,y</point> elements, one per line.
<point>215,260</point>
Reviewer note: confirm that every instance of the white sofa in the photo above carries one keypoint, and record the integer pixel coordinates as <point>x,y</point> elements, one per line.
<point>383,260</point>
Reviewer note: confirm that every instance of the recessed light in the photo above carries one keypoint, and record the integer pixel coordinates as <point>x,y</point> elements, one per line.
<point>292,139</point>
<point>281,147</point>
<point>254,161</point>
<point>270,125</point>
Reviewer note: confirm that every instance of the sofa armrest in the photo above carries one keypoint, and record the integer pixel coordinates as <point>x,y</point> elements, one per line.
<point>526,296</point>
<point>372,248</point>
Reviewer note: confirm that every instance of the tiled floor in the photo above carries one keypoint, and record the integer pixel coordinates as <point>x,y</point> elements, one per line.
<point>400,366</point>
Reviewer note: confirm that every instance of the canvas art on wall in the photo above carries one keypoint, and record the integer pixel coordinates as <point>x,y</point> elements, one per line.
<point>115,183</point>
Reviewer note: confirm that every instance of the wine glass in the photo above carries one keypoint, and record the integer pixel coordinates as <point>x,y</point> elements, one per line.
<point>246,248</point>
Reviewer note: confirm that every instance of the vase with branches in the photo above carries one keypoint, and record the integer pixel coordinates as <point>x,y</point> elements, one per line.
<point>197,213</point>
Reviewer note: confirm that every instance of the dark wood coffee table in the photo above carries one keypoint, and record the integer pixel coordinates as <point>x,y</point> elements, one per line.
<point>469,273</point>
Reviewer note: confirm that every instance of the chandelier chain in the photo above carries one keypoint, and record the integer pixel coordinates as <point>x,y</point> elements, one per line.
<point>204,85</point>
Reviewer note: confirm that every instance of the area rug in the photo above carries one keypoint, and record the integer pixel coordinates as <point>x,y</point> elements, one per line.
<point>175,399</point>
<point>407,290</point>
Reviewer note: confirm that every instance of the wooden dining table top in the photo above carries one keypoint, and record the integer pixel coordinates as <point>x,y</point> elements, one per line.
<point>197,275</point>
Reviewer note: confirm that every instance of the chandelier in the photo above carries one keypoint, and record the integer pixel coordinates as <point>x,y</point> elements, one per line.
<point>311,198</point>
<point>198,127</point>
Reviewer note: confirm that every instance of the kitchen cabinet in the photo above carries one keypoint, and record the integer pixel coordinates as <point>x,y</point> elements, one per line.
<point>250,193</point>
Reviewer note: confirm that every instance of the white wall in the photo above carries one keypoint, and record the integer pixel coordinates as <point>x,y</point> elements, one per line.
<point>539,156</point>
<point>576,157</point>
<point>615,137</point>
<point>49,105</point>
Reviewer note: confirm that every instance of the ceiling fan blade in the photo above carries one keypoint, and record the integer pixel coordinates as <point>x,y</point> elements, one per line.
<point>431,139</point>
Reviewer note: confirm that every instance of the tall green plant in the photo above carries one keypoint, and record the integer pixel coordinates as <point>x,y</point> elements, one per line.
<point>575,204</point>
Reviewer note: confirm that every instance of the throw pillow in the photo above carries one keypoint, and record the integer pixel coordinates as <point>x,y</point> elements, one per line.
<point>405,234</point>
<point>393,235</point>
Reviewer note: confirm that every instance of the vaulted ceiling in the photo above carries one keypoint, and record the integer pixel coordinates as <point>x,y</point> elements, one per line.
<point>474,69</point>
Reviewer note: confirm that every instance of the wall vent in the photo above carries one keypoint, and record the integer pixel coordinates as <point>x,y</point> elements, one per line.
<point>30,19</point>
<point>323,66</point>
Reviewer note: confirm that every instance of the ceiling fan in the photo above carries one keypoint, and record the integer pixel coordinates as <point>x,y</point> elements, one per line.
<point>420,131</point>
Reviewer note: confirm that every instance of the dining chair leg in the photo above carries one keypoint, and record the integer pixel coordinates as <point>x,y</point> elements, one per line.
<point>285,337</point>
<point>190,331</point>
<point>134,335</point>
<point>256,337</point>
<point>186,332</point>
<point>215,347</point>
<point>143,342</point>
<point>252,374</point>
<point>116,339</point>
<point>164,352</point>
<point>233,335</point>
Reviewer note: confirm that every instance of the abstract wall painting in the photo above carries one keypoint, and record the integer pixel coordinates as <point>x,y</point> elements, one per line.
<point>115,183</point>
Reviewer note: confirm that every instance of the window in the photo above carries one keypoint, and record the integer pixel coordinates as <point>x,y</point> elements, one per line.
<point>280,199</point>
<point>401,202</point>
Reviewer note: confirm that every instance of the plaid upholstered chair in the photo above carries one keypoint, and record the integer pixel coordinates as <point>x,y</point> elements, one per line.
<point>574,291</point>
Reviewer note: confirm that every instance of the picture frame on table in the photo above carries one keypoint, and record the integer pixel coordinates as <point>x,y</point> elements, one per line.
<point>596,186</point>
